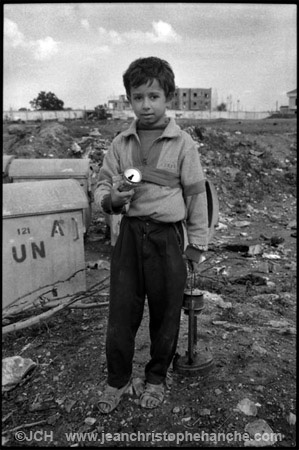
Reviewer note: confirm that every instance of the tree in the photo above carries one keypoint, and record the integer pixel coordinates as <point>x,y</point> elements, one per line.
<point>221,107</point>
<point>47,101</point>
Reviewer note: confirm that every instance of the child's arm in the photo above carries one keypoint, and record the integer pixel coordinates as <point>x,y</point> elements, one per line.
<point>106,194</point>
<point>197,226</point>
<point>194,190</point>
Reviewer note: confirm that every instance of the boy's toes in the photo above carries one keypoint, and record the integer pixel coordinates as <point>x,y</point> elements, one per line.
<point>111,398</point>
<point>153,396</point>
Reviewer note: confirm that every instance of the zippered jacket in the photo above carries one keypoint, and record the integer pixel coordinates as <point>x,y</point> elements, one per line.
<point>173,182</point>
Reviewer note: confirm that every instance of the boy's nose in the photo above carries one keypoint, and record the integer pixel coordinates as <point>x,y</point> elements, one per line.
<point>146,104</point>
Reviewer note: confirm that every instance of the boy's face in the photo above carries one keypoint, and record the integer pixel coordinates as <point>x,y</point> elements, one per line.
<point>149,103</point>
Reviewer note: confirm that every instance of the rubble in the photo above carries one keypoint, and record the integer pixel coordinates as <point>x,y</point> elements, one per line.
<point>247,407</point>
<point>238,161</point>
<point>14,370</point>
<point>249,317</point>
<point>291,418</point>
<point>247,248</point>
<point>261,433</point>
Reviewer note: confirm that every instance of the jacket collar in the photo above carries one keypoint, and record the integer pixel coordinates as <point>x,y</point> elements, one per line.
<point>172,130</point>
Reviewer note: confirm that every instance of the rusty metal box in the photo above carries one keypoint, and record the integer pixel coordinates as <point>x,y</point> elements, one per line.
<point>42,240</point>
<point>21,170</point>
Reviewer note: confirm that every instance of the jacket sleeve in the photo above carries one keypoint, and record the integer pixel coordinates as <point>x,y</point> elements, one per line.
<point>194,191</point>
<point>109,173</point>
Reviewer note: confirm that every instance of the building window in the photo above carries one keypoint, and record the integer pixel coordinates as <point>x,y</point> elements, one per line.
<point>206,95</point>
<point>194,103</point>
<point>184,94</point>
<point>195,94</point>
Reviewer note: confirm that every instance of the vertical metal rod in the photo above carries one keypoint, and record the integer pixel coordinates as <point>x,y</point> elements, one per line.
<point>191,336</point>
<point>192,282</point>
<point>191,323</point>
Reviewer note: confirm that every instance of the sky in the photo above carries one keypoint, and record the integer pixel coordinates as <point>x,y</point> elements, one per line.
<point>245,52</point>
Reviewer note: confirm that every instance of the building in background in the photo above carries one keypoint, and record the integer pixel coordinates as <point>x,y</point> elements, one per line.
<point>292,101</point>
<point>119,104</point>
<point>291,108</point>
<point>192,99</point>
<point>186,99</point>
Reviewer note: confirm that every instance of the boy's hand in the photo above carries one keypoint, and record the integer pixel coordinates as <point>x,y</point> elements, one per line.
<point>119,199</point>
<point>194,256</point>
<point>193,266</point>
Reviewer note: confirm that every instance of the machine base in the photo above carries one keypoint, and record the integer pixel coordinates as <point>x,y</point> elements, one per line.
<point>200,363</point>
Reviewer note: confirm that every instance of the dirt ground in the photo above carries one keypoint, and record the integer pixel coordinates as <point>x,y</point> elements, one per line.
<point>248,322</point>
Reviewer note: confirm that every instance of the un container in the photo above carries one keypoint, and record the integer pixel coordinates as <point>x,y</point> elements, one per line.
<point>22,170</point>
<point>7,159</point>
<point>42,241</point>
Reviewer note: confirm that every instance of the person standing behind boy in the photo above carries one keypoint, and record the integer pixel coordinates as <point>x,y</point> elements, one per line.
<point>150,256</point>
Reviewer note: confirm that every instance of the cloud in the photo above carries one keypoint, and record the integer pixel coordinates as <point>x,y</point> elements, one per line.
<point>12,33</point>
<point>162,32</point>
<point>115,37</point>
<point>112,36</point>
<point>85,24</point>
<point>44,48</point>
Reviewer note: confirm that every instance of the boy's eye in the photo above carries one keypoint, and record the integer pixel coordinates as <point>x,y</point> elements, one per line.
<point>140,97</point>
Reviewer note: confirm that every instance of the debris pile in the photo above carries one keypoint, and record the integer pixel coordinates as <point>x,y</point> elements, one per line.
<point>54,140</point>
<point>92,146</point>
<point>46,140</point>
<point>233,163</point>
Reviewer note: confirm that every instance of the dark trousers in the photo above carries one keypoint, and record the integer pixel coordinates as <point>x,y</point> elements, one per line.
<point>146,261</point>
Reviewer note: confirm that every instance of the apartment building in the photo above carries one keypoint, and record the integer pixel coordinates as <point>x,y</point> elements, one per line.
<point>192,99</point>
<point>189,99</point>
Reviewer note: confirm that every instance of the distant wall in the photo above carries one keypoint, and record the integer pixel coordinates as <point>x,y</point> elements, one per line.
<point>236,115</point>
<point>42,115</point>
<point>244,115</point>
<point>128,114</point>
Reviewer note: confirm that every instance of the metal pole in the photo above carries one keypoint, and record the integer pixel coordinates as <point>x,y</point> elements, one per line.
<point>191,336</point>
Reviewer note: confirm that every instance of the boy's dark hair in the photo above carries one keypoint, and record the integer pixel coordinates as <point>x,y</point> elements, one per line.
<point>144,70</point>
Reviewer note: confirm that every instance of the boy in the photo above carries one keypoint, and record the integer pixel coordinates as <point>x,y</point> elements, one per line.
<point>149,258</point>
